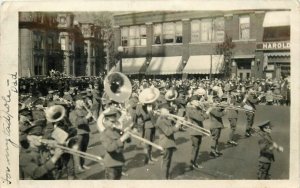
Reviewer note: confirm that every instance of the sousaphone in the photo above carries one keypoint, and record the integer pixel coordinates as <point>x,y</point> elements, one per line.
<point>117,86</point>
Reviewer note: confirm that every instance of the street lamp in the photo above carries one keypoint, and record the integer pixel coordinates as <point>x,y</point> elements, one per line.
<point>120,50</point>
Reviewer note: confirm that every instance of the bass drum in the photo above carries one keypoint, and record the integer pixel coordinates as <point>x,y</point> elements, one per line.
<point>124,121</point>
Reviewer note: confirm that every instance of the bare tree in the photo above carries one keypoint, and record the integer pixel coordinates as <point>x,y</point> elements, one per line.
<point>226,49</point>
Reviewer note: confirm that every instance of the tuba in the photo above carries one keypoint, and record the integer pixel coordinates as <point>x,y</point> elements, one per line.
<point>55,113</point>
<point>117,86</point>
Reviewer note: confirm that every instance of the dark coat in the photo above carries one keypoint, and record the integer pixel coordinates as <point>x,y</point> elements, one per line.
<point>110,139</point>
<point>166,129</point>
<point>196,117</point>
<point>78,120</point>
<point>216,115</point>
<point>35,164</point>
<point>266,154</point>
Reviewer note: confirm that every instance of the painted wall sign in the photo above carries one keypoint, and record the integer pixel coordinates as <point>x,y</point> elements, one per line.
<point>281,45</point>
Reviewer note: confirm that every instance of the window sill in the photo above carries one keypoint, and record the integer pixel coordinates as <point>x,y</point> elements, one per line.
<point>168,44</point>
<point>206,42</point>
<point>134,46</point>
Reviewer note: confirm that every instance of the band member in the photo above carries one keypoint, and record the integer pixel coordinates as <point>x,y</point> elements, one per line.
<point>80,119</point>
<point>249,103</point>
<point>36,163</point>
<point>232,118</point>
<point>171,95</point>
<point>266,145</point>
<point>196,116</point>
<point>146,119</point>
<point>216,125</point>
<point>166,138</point>
<point>113,142</point>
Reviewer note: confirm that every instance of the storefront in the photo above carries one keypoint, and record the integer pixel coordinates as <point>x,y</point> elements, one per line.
<point>275,47</point>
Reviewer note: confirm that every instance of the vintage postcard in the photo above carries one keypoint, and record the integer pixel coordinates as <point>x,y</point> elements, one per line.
<point>150,93</point>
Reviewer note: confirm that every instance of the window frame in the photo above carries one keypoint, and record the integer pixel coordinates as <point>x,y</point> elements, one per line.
<point>240,30</point>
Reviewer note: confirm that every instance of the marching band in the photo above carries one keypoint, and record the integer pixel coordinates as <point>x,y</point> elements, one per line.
<point>55,124</point>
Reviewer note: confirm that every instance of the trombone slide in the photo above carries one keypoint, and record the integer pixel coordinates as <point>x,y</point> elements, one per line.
<point>145,140</point>
<point>85,155</point>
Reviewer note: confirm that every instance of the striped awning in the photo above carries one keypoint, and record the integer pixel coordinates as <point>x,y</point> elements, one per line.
<point>130,65</point>
<point>277,19</point>
<point>201,64</point>
<point>164,65</point>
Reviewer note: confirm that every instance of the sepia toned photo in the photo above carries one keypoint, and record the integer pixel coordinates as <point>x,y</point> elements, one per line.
<point>150,93</point>
<point>154,95</point>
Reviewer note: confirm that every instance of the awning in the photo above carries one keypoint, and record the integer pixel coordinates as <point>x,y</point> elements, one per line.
<point>201,64</point>
<point>164,65</point>
<point>277,19</point>
<point>278,54</point>
<point>130,65</point>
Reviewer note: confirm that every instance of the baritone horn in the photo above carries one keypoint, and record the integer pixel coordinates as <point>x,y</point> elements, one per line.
<point>117,86</point>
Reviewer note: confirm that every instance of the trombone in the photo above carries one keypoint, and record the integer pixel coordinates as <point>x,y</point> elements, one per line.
<point>186,123</point>
<point>53,144</point>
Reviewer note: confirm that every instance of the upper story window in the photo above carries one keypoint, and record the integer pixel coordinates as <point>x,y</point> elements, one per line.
<point>62,20</point>
<point>63,43</point>
<point>244,27</point>
<point>50,42</point>
<point>166,33</point>
<point>207,30</point>
<point>134,36</point>
<point>38,40</point>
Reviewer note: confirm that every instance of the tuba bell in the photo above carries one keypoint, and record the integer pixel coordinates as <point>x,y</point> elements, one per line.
<point>55,113</point>
<point>117,86</point>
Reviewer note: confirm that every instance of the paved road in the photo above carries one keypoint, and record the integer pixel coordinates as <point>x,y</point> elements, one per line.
<point>236,163</point>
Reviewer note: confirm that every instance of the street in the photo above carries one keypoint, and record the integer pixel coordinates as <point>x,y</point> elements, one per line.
<point>236,163</point>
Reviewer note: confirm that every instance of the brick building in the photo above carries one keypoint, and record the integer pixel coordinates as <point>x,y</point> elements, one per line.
<point>56,41</point>
<point>184,42</point>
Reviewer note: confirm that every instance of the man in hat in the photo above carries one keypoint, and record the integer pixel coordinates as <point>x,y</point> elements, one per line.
<point>232,116</point>
<point>166,129</point>
<point>195,115</point>
<point>266,155</point>
<point>146,119</point>
<point>80,119</point>
<point>249,103</point>
<point>113,139</point>
<point>34,158</point>
<point>216,125</point>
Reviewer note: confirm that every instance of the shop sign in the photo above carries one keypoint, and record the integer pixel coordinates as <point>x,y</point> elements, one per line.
<point>282,45</point>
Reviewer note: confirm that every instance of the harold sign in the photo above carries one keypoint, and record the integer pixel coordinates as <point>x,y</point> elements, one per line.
<point>280,45</point>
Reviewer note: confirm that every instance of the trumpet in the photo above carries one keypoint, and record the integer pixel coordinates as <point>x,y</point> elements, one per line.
<point>53,144</point>
<point>186,123</point>
<point>278,147</point>
<point>89,111</point>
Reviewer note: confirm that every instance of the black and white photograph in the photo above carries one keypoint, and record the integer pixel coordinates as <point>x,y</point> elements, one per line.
<point>135,94</point>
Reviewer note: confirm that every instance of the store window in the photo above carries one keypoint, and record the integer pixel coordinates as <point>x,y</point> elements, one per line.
<point>63,43</point>
<point>134,36</point>
<point>178,32</point>
<point>206,30</point>
<point>167,33</point>
<point>50,43</point>
<point>143,35</point>
<point>157,31</point>
<point>244,27</point>
<point>124,36</point>
<point>37,40</point>
<point>38,61</point>
<point>195,31</point>
<point>219,29</point>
